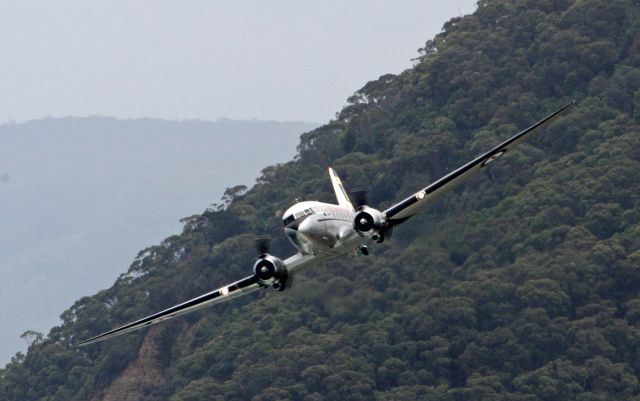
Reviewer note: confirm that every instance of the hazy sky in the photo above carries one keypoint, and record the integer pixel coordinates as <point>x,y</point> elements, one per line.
<point>278,59</point>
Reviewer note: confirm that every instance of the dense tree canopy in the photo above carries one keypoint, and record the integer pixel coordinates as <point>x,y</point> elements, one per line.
<point>523,284</point>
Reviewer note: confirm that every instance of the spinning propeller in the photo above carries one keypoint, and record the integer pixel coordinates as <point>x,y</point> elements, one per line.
<point>263,244</point>
<point>359,198</point>
<point>269,270</point>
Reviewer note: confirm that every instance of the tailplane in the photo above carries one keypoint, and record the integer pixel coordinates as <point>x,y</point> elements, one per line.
<point>338,188</point>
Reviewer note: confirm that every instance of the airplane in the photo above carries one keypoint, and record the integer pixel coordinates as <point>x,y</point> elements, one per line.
<point>322,231</point>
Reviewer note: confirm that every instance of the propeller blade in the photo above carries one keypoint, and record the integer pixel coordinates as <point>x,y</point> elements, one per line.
<point>262,245</point>
<point>359,197</point>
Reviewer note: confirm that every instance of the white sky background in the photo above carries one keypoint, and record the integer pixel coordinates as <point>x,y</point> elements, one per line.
<point>271,60</point>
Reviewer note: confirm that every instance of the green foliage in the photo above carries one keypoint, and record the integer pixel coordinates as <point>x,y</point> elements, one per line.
<point>523,284</point>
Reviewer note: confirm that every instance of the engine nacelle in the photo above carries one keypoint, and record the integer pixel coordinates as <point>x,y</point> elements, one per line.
<point>271,271</point>
<point>370,222</point>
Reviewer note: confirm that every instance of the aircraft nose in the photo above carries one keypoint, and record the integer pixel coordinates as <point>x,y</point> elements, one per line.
<point>305,226</point>
<point>316,232</point>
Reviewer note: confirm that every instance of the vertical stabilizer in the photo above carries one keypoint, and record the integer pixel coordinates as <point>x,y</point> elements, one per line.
<point>338,188</point>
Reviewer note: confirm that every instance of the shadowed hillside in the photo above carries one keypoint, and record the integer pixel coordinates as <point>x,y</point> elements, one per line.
<point>522,284</point>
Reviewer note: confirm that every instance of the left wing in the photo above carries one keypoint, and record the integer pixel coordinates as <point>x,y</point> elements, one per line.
<point>233,290</point>
<point>403,210</point>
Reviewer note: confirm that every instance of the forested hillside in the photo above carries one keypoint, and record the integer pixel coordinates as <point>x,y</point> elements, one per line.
<point>522,284</point>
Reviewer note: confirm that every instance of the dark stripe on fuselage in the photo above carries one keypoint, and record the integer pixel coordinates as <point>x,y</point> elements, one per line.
<point>333,219</point>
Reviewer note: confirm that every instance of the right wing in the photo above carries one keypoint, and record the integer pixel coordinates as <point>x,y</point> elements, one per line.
<point>233,290</point>
<point>410,206</point>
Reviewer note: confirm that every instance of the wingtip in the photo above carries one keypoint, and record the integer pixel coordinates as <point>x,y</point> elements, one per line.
<point>564,109</point>
<point>570,104</point>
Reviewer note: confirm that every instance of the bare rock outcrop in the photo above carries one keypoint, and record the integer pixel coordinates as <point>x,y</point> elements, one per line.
<point>141,374</point>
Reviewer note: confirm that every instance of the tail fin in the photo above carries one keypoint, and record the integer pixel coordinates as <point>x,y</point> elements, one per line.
<point>338,188</point>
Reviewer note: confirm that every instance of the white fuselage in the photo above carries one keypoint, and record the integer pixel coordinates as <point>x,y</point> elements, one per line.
<point>321,229</point>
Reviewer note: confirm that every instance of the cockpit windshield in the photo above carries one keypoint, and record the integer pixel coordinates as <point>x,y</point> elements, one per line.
<point>295,216</point>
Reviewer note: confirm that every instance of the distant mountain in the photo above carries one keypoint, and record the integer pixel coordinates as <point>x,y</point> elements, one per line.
<point>523,284</point>
<point>79,197</point>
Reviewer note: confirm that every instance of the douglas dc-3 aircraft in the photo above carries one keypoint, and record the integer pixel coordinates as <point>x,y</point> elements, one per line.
<point>322,231</point>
